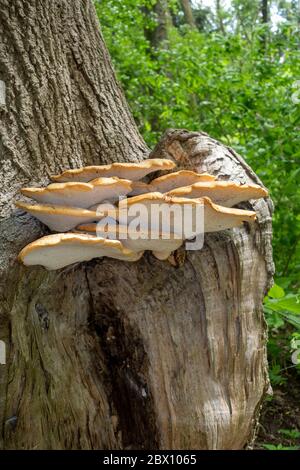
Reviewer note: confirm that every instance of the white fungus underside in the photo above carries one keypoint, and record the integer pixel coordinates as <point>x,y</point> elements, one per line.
<point>82,199</point>
<point>63,222</point>
<point>59,256</point>
<point>213,221</point>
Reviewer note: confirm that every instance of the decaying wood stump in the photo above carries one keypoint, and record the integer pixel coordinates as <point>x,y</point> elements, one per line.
<point>109,354</point>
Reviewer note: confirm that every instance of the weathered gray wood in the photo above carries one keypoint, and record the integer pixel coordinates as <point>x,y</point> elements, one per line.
<point>108,354</point>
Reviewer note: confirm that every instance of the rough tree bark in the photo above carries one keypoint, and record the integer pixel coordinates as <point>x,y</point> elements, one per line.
<point>264,19</point>
<point>109,354</point>
<point>188,13</point>
<point>264,11</point>
<point>163,22</point>
<point>219,16</point>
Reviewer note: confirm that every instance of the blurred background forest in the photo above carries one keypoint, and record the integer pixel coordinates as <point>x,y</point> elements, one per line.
<point>231,69</point>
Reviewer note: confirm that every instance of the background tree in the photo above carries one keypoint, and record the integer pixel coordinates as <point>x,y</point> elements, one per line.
<point>163,20</point>
<point>219,15</point>
<point>188,13</point>
<point>265,11</point>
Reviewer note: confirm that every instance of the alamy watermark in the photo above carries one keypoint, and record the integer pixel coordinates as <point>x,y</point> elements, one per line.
<point>155,221</point>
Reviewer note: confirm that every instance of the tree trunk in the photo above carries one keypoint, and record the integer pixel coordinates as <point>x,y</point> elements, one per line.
<point>163,23</point>
<point>219,16</point>
<point>109,354</point>
<point>265,20</point>
<point>264,11</point>
<point>188,13</point>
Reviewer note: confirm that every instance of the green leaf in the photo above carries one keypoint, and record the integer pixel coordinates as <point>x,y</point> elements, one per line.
<point>290,433</point>
<point>295,321</point>
<point>270,446</point>
<point>280,447</point>
<point>290,302</point>
<point>276,292</point>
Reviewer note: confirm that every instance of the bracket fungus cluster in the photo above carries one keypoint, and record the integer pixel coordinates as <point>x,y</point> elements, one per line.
<point>90,204</point>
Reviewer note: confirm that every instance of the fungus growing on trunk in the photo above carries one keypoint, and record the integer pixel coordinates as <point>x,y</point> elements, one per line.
<point>59,250</point>
<point>185,210</point>
<point>132,171</point>
<point>139,187</point>
<point>82,195</point>
<point>161,244</point>
<point>169,181</point>
<point>178,179</point>
<point>215,217</point>
<point>59,218</point>
<point>225,193</point>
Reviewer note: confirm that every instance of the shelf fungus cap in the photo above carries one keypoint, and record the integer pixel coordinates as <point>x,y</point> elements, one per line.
<point>59,250</point>
<point>190,217</point>
<point>59,218</point>
<point>218,218</point>
<point>139,187</point>
<point>225,193</point>
<point>131,171</point>
<point>82,195</point>
<point>161,244</point>
<point>178,179</point>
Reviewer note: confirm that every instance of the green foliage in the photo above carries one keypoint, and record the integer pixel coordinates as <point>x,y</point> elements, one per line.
<point>275,375</point>
<point>287,306</point>
<point>290,433</point>
<point>282,310</point>
<point>280,447</point>
<point>290,436</point>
